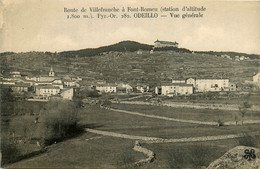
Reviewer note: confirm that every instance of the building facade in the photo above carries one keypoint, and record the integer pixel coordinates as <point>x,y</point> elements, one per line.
<point>20,87</point>
<point>161,44</point>
<point>106,88</point>
<point>47,90</point>
<point>67,93</point>
<point>176,89</point>
<point>211,85</point>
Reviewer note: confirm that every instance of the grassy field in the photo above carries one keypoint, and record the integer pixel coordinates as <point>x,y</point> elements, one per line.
<point>188,155</point>
<point>104,152</point>
<point>108,152</point>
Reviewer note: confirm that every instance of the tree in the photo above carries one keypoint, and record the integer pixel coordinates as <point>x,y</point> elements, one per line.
<point>235,116</point>
<point>242,111</point>
<point>106,104</point>
<point>6,94</point>
<point>244,107</point>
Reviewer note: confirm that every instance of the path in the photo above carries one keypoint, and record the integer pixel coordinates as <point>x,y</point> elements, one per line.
<point>194,105</point>
<point>135,97</point>
<point>182,120</point>
<point>146,139</point>
<point>164,118</point>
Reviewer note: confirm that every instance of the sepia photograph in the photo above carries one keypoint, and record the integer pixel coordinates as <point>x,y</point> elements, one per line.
<point>130,84</point>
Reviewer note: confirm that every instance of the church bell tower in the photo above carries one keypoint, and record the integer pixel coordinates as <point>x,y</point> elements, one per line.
<point>51,73</point>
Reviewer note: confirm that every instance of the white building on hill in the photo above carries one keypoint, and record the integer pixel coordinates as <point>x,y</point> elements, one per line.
<point>161,44</point>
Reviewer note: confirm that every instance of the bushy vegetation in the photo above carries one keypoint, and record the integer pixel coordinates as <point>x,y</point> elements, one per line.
<point>59,121</point>
<point>37,125</point>
<point>88,93</point>
<point>6,95</point>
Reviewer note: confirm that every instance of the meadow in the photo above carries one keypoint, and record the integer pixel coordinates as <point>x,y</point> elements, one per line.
<point>91,150</point>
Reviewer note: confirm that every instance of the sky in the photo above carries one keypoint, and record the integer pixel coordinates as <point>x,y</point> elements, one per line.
<point>41,25</point>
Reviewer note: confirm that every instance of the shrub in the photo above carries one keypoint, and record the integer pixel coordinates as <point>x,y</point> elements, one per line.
<point>247,105</point>
<point>59,121</point>
<point>92,93</point>
<point>220,123</point>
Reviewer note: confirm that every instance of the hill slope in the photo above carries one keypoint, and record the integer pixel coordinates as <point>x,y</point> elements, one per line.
<point>124,46</point>
<point>120,63</point>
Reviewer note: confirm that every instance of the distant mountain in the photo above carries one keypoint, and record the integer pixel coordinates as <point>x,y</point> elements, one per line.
<point>124,46</point>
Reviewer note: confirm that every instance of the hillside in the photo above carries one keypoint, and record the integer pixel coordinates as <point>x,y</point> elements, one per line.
<point>121,63</point>
<point>124,46</point>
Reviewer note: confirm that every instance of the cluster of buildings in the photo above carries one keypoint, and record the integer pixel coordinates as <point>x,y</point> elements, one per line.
<point>55,87</point>
<point>52,86</point>
<point>192,85</point>
<point>104,87</point>
<point>236,58</point>
<point>42,87</point>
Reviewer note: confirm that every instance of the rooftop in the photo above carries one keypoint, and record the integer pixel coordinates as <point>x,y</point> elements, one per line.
<point>47,87</point>
<point>176,84</point>
<point>105,85</point>
<point>22,85</point>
